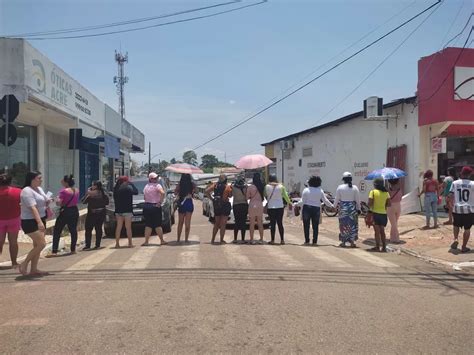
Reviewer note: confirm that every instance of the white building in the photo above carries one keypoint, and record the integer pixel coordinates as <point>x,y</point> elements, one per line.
<point>52,103</point>
<point>433,130</point>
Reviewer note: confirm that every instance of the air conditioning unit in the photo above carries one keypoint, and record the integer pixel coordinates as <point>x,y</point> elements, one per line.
<point>373,107</point>
<point>286,145</point>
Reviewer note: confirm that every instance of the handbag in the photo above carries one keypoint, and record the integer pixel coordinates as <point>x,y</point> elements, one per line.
<point>63,207</point>
<point>369,219</point>
<point>265,209</point>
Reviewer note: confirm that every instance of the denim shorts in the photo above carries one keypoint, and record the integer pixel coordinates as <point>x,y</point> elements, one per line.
<point>124,214</point>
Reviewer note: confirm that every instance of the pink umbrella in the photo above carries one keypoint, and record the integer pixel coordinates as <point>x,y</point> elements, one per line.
<point>253,161</point>
<point>183,168</point>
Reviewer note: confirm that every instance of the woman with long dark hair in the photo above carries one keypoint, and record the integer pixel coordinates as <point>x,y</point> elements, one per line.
<point>347,201</point>
<point>240,207</point>
<point>96,200</point>
<point>431,191</point>
<point>255,195</point>
<point>275,194</point>
<point>33,220</point>
<point>220,192</point>
<point>123,199</point>
<point>68,198</point>
<point>184,192</point>
<point>379,200</point>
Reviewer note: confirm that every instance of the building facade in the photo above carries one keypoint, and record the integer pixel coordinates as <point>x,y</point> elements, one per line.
<point>432,130</point>
<point>51,103</point>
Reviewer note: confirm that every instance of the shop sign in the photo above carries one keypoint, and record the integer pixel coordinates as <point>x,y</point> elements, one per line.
<point>361,169</point>
<point>438,145</point>
<point>321,164</point>
<point>52,85</point>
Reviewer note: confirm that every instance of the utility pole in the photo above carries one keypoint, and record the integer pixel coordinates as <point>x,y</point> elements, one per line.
<point>120,80</point>
<point>149,157</point>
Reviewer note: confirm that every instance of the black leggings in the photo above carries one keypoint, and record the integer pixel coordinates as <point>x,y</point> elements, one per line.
<point>69,218</point>
<point>94,220</point>
<point>276,217</point>
<point>240,216</point>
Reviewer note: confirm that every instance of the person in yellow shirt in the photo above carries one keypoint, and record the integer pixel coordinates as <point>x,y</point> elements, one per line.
<point>379,200</point>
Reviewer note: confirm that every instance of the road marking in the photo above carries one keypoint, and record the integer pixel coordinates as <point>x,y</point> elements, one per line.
<point>189,259</point>
<point>277,253</point>
<point>140,259</point>
<point>90,261</point>
<point>20,322</point>
<point>370,258</point>
<point>364,255</point>
<point>320,254</point>
<point>235,256</point>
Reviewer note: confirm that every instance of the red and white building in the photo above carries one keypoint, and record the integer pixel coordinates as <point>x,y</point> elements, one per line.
<point>432,130</point>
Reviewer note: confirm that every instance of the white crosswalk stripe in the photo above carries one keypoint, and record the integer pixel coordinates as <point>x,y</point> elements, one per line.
<point>362,254</point>
<point>189,258</point>
<point>90,261</point>
<point>140,259</point>
<point>278,254</point>
<point>235,256</point>
<point>319,254</point>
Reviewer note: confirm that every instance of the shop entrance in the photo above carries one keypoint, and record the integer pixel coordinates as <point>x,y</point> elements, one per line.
<point>459,153</point>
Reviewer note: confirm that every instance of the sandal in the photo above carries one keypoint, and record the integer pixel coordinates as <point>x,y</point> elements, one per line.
<point>374,249</point>
<point>342,245</point>
<point>454,245</point>
<point>465,250</point>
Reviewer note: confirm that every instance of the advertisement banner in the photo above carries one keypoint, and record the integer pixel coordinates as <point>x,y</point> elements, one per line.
<point>50,84</point>
<point>438,145</point>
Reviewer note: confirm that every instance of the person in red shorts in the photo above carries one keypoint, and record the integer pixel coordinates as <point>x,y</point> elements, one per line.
<point>10,222</point>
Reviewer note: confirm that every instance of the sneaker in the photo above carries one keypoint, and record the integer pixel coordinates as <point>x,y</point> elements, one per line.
<point>455,245</point>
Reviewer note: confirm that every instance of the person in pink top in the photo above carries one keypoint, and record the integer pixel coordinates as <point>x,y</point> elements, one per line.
<point>255,196</point>
<point>394,211</point>
<point>68,213</point>
<point>152,213</point>
<point>10,222</point>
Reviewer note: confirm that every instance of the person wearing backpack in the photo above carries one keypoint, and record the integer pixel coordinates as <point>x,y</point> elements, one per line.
<point>220,192</point>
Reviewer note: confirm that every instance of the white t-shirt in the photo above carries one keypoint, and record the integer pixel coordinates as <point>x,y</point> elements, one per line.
<point>346,193</point>
<point>312,196</point>
<point>274,196</point>
<point>463,190</point>
<point>31,197</point>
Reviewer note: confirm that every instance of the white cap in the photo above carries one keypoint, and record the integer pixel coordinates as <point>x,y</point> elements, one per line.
<point>152,176</point>
<point>346,175</point>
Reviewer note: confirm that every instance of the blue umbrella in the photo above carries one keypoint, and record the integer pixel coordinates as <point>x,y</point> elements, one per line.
<point>386,174</point>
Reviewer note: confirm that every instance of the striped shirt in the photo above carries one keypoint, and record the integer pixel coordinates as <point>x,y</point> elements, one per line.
<point>463,190</point>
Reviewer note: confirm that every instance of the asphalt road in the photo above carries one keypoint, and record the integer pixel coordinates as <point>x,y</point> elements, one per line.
<point>201,298</point>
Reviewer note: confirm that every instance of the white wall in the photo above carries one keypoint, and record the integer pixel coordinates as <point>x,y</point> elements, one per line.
<point>357,146</point>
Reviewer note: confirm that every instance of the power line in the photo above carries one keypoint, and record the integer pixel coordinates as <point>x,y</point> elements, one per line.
<point>150,26</point>
<point>120,23</point>
<point>451,70</point>
<point>379,65</point>
<point>319,76</point>
<point>332,58</point>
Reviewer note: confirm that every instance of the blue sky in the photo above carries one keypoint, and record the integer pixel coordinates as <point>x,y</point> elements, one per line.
<point>189,81</point>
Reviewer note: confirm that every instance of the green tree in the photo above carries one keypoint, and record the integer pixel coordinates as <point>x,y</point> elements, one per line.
<point>173,161</point>
<point>190,157</point>
<point>209,161</point>
<point>162,166</point>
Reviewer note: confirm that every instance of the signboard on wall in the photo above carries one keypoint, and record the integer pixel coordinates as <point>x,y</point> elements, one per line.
<point>438,145</point>
<point>52,85</point>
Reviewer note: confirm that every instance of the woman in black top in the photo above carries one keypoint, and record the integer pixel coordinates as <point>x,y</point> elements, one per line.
<point>96,200</point>
<point>123,199</point>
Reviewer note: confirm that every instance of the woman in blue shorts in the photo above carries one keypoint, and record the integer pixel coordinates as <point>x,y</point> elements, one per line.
<point>184,192</point>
